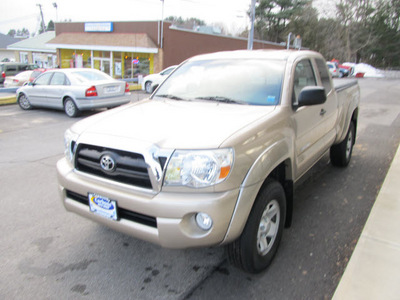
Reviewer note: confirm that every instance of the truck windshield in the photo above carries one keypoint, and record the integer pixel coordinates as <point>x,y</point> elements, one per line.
<point>242,81</point>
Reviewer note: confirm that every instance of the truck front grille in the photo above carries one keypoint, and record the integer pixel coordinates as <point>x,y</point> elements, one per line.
<point>120,166</point>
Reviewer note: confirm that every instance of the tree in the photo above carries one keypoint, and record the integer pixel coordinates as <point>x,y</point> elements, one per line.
<point>50,26</point>
<point>385,27</point>
<point>273,16</point>
<point>355,18</point>
<point>185,23</point>
<point>18,33</point>
<point>11,32</point>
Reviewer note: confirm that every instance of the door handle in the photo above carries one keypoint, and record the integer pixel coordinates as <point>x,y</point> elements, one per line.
<point>322,112</point>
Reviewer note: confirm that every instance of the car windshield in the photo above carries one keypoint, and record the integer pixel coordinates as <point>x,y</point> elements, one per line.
<point>241,81</point>
<point>85,76</point>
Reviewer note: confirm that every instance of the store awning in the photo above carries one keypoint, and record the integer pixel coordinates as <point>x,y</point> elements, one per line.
<point>120,42</point>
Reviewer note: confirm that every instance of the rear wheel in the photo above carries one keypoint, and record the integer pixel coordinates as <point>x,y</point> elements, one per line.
<point>70,108</point>
<point>255,249</point>
<point>23,102</point>
<point>340,154</point>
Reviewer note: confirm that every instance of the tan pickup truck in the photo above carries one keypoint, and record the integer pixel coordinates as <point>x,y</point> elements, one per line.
<point>211,158</point>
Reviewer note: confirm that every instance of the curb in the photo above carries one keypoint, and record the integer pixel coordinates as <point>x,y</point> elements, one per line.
<point>8,100</point>
<point>373,271</point>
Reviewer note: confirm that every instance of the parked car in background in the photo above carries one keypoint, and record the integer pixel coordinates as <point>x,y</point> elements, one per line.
<point>332,69</point>
<point>152,81</point>
<point>73,90</point>
<point>13,68</point>
<point>18,80</point>
<point>343,71</point>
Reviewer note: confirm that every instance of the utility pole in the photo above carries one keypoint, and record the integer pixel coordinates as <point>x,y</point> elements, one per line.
<point>162,24</point>
<point>41,14</point>
<point>251,32</point>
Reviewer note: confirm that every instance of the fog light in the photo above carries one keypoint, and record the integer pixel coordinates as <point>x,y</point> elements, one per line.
<point>204,221</point>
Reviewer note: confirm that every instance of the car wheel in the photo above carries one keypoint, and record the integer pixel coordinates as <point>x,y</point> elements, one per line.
<point>340,154</point>
<point>23,102</point>
<point>70,108</point>
<point>147,87</point>
<point>256,247</point>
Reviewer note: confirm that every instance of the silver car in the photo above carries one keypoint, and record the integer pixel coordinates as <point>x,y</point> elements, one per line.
<point>73,90</point>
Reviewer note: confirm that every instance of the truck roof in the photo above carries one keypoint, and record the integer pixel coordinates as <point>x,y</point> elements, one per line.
<point>260,54</point>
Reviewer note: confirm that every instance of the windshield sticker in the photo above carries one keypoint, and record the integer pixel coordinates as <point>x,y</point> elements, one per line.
<point>271,100</point>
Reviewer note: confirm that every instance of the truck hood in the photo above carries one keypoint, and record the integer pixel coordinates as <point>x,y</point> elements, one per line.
<point>171,124</point>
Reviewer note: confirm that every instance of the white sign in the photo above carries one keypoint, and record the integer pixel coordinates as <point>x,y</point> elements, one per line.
<point>99,27</point>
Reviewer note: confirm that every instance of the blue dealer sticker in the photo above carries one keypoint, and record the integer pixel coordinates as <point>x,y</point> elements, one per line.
<point>271,100</point>
<point>103,206</point>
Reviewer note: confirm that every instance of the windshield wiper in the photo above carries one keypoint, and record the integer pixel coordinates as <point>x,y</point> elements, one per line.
<point>221,99</point>
<point>169,97</point>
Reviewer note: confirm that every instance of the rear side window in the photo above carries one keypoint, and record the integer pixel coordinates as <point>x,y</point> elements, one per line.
<point>58,79</point>
<point>11,68</point>
<point>324,74</point>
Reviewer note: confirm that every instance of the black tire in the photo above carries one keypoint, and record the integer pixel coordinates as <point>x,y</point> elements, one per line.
<point>23,102</point>
<point>70,108</point>
<point>340,154</point>
<point>256,247</point>
<point>147,87</point>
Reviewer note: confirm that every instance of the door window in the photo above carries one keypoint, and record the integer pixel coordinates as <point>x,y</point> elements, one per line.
<point>303,76</point>
<point>44,78</point>
<point>58,79</point>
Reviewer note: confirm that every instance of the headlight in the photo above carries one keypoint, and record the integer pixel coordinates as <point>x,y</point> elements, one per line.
<point>70,143</point>
<point>199,168</point>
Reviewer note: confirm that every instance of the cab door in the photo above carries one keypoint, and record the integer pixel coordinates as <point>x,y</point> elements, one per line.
<point>310,122</point>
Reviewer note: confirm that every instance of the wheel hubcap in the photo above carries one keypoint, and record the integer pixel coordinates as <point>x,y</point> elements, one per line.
<point>268,227</point>
<point>24,102</point>
<point>70,108</point>
<point>349,145</point>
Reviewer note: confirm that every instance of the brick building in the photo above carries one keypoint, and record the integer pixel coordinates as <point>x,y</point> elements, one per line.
<point>129,49</point>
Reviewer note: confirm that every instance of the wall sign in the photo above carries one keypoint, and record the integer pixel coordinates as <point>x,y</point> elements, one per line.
<point>99,27</point>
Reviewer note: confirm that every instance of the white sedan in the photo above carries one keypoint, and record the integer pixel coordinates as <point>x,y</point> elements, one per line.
<point>18,80</point>
<point>73,90</point>
<point>152,81</point>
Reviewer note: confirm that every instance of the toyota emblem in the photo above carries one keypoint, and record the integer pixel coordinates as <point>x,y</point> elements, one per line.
<point>107,163</point>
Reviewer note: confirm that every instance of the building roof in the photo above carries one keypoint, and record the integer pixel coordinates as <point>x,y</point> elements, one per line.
<point>128,42</point>
<point>6,40</point>
<point>37,43</point>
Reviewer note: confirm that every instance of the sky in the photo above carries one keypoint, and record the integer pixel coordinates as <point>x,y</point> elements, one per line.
<point>17,14</point>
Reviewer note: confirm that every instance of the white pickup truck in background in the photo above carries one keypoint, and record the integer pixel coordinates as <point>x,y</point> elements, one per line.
<point>212,157</point>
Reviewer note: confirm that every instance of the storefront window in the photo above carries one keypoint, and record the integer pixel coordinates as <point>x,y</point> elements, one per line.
<point>136,65</point>
<point>121,65</point>
<point>75,58</point>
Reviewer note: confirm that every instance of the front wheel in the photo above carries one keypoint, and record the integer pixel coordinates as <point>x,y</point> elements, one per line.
<point>340,154</point>
<point>147,87</point>
<point>23,102</point>
<point>255,249</point>
<point>70,108</point>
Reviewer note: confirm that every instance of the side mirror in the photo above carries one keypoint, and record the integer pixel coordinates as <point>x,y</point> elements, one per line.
<point>312,95</point>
